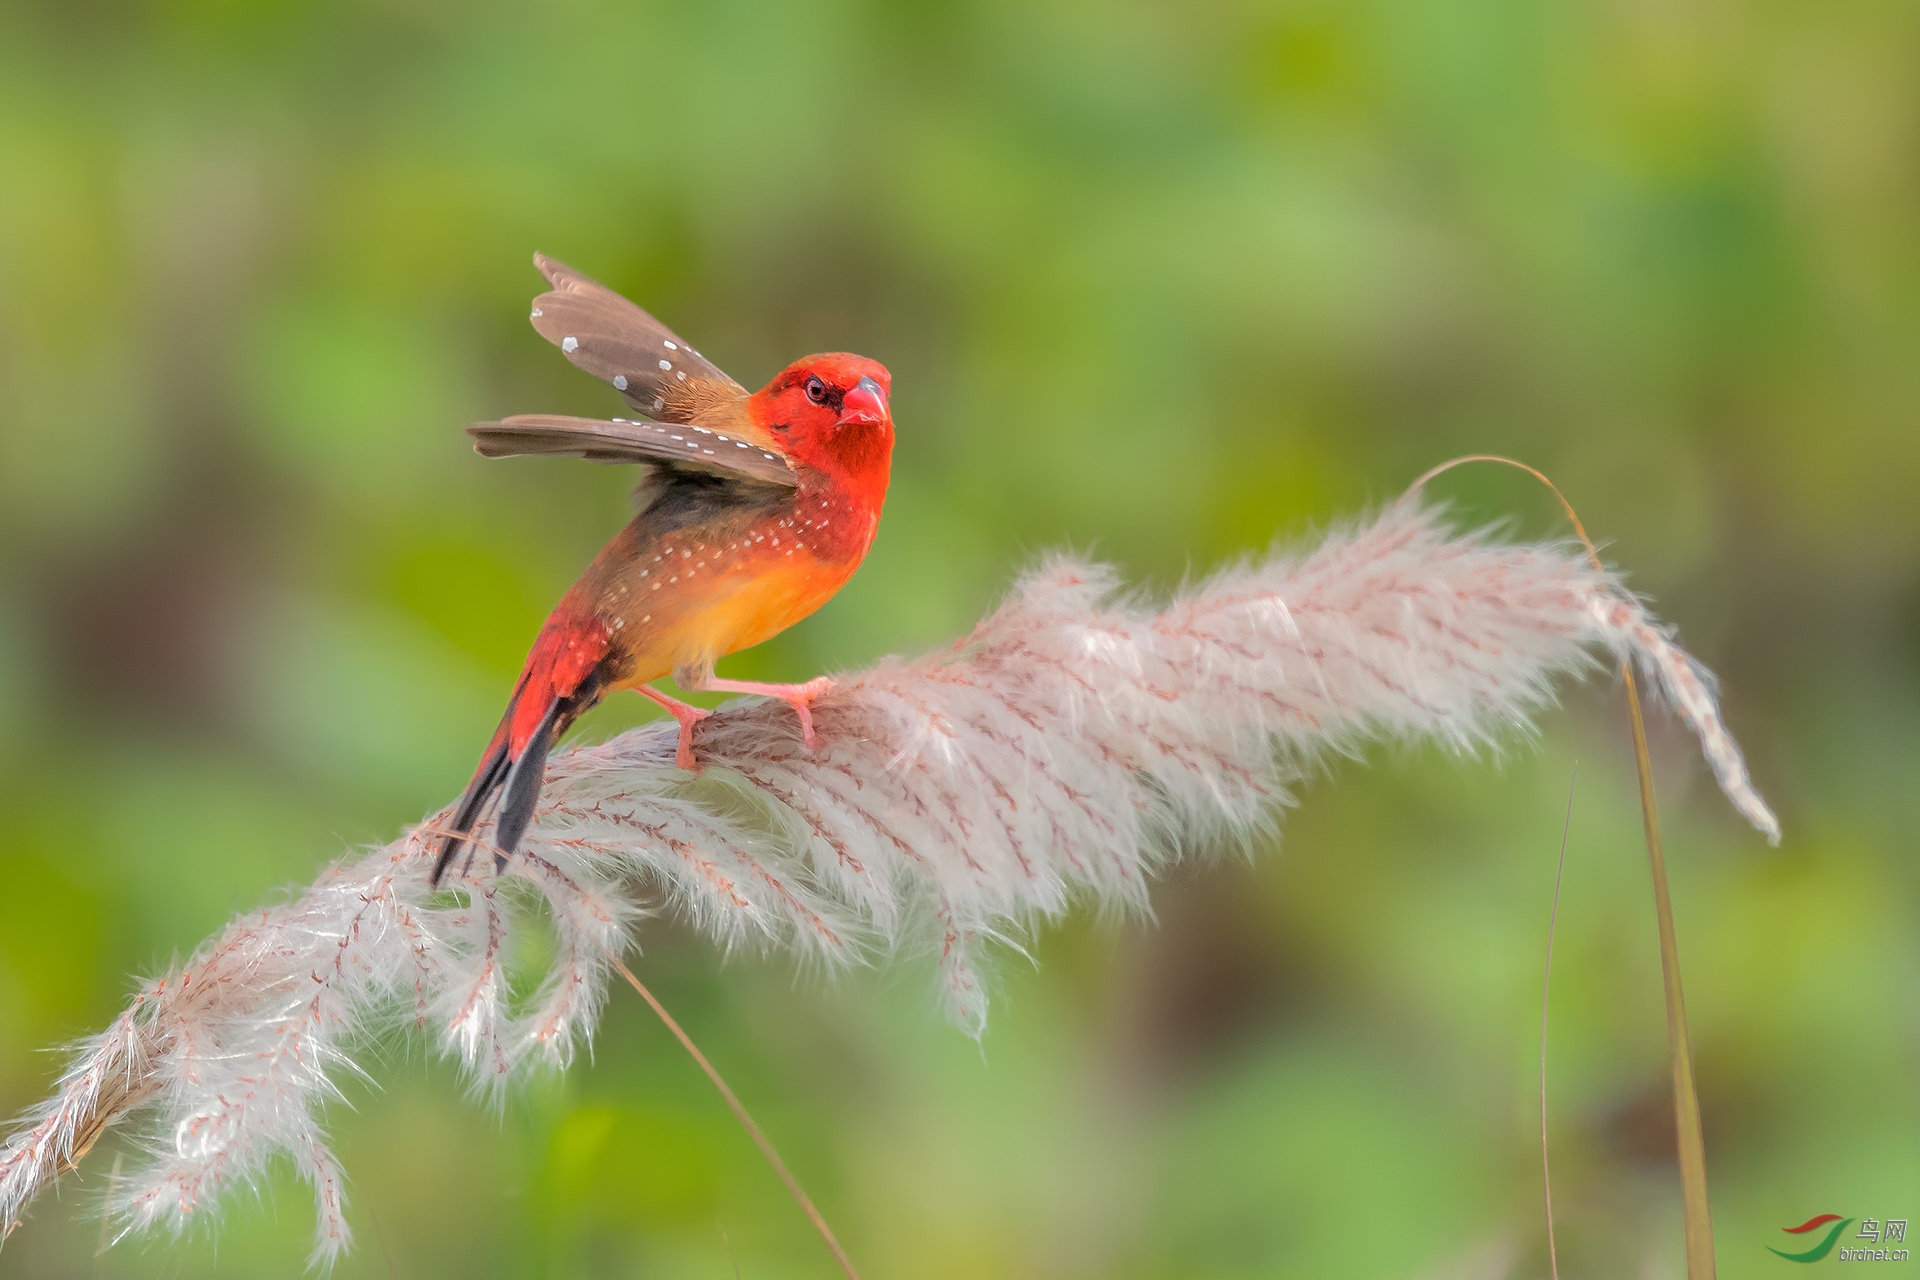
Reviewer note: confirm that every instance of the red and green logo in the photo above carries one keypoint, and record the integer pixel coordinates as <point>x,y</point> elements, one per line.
<point>1825,1246</point>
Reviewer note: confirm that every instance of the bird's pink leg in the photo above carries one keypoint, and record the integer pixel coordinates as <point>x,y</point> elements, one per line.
<point>798,696</point>
<point>687,714</point>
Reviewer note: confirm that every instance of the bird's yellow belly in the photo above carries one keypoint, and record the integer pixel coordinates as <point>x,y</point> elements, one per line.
<point>734,611</point>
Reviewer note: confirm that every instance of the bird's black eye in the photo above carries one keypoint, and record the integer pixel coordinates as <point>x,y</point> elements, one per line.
<point>816,391</point>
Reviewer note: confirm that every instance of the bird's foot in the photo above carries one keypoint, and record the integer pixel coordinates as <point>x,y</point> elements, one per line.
<point>798,696</point>
<point>688,715</point>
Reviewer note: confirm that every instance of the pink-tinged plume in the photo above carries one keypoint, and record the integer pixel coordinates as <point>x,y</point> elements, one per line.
<point>1074,743</point>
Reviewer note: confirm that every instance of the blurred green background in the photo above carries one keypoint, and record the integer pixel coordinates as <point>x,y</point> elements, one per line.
<point>1164,281</point>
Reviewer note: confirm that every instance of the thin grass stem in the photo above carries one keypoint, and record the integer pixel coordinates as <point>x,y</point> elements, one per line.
<point>1546,993</point>
<point>745,1118</point>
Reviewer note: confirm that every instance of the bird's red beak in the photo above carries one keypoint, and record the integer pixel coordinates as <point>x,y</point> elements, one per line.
<point>866,403</point>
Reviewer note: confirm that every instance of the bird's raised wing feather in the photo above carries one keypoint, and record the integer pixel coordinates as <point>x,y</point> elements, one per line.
<point>653,367</point>
<point>678,446</point>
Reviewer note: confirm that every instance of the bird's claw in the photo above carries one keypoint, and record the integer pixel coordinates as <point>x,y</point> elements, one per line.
<point>800,698</point>
<point>688,716</point>
<point>683,754</point>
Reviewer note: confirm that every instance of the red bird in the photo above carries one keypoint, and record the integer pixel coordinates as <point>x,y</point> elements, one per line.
<point>754,510</point>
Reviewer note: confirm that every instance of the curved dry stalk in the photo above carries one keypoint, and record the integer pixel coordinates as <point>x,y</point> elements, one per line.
<point>1691,691</point>
<point>1060,754</point>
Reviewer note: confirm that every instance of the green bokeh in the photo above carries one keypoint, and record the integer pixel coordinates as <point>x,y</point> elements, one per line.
<point>1162,281</point>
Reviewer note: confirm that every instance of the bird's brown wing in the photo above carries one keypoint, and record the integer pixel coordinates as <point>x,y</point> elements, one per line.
<point>673,445</point>
<point>648,363</point>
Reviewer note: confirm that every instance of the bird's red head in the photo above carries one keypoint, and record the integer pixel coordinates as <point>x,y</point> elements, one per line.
<point>830,413</point>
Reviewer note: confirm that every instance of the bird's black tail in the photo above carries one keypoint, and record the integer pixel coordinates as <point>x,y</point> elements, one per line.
<point>519,774</point>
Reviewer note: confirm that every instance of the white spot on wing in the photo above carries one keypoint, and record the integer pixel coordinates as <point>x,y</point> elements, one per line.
<point>671,347</point>
<point>537,313</point>
<point>569,344</point>
<point>666,364</point>
<point>620,381</point>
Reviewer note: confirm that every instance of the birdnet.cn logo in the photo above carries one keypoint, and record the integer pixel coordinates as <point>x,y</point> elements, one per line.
<point>1825,1230</point>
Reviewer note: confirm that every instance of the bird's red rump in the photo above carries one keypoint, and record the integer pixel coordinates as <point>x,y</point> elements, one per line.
<point>566,652</point>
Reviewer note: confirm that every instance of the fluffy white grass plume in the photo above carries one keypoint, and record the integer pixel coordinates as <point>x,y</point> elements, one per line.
<point>1075,742</point>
